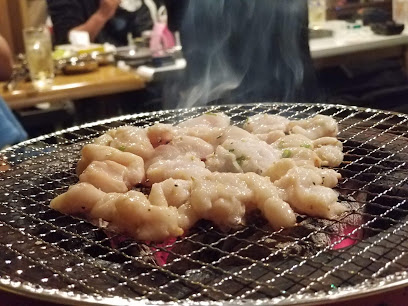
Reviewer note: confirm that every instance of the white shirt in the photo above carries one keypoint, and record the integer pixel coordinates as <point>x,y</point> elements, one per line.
<point>131,5</point>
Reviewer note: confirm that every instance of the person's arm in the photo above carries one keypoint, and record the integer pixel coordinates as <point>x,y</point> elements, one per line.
<point>6,60</point>
<point>68,15</point>
<point>97,21</point>
<point>65,15</point>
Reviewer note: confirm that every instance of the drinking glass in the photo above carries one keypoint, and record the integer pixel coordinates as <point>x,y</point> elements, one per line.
<point>317,12</point>
<point>38,49</point>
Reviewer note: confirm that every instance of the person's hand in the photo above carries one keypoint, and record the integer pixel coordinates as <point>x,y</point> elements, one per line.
<point>107,8</point>
<point>4,166</point>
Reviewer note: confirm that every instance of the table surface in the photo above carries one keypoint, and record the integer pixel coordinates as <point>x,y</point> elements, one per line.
<point>105,80</point>
<point>111,80</point>
<point>349,41</point>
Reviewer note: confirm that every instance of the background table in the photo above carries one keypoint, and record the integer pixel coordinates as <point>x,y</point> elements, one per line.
<point>104,81</point>
<point>355,46</point>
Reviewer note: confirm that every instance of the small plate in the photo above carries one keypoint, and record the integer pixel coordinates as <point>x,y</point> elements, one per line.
<point>80,66</point>
<point>133,56</point>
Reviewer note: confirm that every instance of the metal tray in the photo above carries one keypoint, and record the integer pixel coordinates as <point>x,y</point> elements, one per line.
<point>133,56</point>
<point>49,256</point>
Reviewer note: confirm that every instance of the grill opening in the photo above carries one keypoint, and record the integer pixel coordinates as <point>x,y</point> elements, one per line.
<point>43,249</point>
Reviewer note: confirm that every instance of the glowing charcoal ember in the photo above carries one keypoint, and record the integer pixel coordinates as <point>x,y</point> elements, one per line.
<point>161,251</point>
<point>349,236</point>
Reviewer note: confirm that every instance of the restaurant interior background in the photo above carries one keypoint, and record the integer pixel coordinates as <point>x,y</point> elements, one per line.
<point>359,58</point>
<point>353,52</point>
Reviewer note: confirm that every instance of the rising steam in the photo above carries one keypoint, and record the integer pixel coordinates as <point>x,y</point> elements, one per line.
<point>244,51</point>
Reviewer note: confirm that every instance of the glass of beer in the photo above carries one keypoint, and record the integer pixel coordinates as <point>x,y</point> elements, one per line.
<point>38,49</point>
<point>317,12</point>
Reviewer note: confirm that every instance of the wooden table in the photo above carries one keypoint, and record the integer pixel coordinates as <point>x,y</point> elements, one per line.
<point>104,81</point>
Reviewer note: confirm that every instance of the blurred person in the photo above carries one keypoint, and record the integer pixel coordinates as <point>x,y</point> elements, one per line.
<point>242,51</point>
<point>106,21</point>
<point>37,13</point>
<point>11,130</point>
<point>6,60</point>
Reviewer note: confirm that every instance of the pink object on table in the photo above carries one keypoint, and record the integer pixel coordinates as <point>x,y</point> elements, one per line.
<point>161,39</point>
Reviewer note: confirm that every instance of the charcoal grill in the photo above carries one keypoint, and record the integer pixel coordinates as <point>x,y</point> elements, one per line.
<point>47,255</point>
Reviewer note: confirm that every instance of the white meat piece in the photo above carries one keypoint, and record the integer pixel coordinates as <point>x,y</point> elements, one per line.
<point>314,128</point>
<point>329,150</point>
<point>224,198</point>
<point>133,163</point>
<point>294,141</point>
<point>192,145</point>
<point>180,146</point>
<point>265,123</point>
<point>209,120</point>
<point>223,161</point>
<point>304,157</point>
<point>300,149</point>
<point>170,192</point>
<point>106,175</point>
<point>271,137</point>
<point>305,192</point>
<point>331,156</point>
<point>329,177</point>
<point>79,199</point>
<point>143,221</point>
<point>247,155</point>
<point>210,135</point>
<point>180,159</point>
<point>234,133</point>
<point>163,152</point>
<point>132,139</point>
<point>187,216</point>
<point>269,201</point>
<point>175,193</point>
<point>161,134</point>
<point>221,199</point>
<point>208,127</point>
<point>182,167</point>
<point>279,169</point>
<point>242,152</point>
<point>129,213</point>
<point>327,141</point>
<point>103,140</point>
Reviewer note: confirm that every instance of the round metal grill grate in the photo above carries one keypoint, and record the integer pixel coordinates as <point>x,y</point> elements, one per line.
<point>61,258</point>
